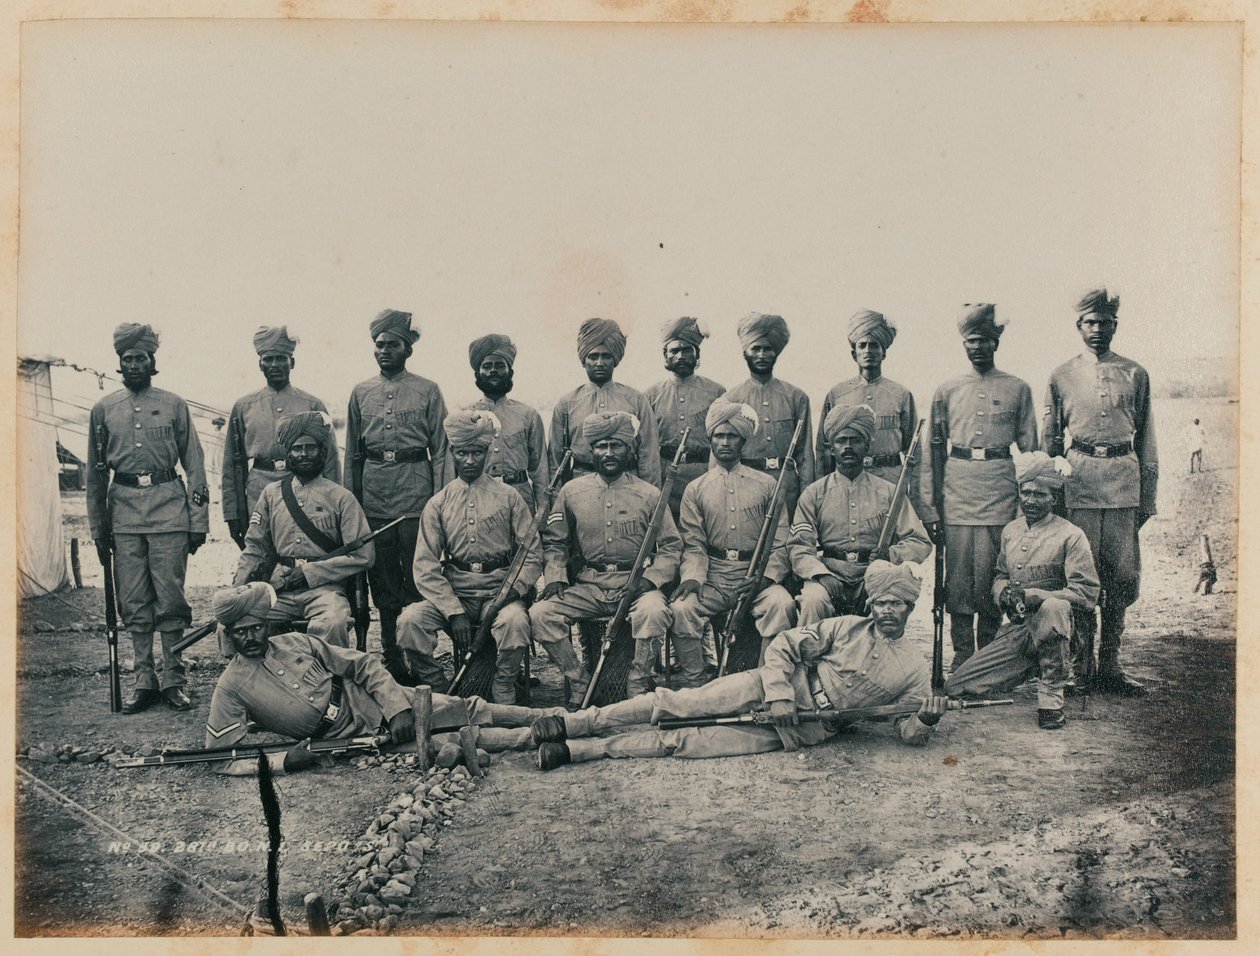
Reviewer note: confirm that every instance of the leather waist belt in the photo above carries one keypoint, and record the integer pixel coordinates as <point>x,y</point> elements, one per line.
<point>881,461</point>
<point>401,454</point>
<point>145,479</point>
<point>979,454</point>
<point>285,561</point>
<point>332,711</point>
<point>479,567</point>
<point>608,567</point>
<point>728,554</point>
<point>1103,451</point>
<point>764,464</point>
<point>692,456</point>
<point>860,556</point>
<point>270,464</point>
<point>821,700</point>
<point>512,477</point>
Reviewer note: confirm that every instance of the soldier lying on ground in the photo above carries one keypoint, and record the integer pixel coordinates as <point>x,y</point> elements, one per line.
<point>302,687</point>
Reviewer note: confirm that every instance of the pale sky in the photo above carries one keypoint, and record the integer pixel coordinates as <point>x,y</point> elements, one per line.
<point>209,177</point>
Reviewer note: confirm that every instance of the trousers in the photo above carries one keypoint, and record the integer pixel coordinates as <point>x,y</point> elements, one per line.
<point>324,608</point>
<point>1041,642</point>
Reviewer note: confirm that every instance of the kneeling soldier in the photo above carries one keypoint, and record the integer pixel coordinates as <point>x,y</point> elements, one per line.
<point>843,663</point>
<point>297,521</point>
<point>600,520</point>
<point>720,520</point>
<point>469,532</point>
<point>302,687</point>
<point>1044,570</point>
<point>839,519</point>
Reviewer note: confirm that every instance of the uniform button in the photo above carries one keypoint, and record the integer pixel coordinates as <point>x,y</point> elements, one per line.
<point>765,402</point>
<point>391,395</point>
<point>1023,547</point>
<point>732,507</point>
<point>610,540</point>
<point>607,504</point>
<point>1104,415</point>
<point>732,527</point>
<point>472,540</point>
<point>139,444</point>
<point>979,413</point>
<point>609,523</point>
<point>389,411</point>
<point>979,431</point>
<point>852,504</point>
<point>495,448</point>
<point>281,672</point>
<point>310,697</point>
<point>853,521</point>
<point>295,686</point>
<point>869,396</point>
<point>137,424</point>
<point>730,491</point>
<point>137,408</point>
<point>389,426</point>
<point>682,400</point>
<point>472,520</point>
<point>852,537</point>
<point>982,394</point>
<point>601,404</point>
<point>876,656</point>
<point>1019,566</point>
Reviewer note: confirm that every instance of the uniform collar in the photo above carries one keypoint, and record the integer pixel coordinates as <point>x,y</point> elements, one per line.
<point>1094,358</point>
<point>835,472</point>
<point>393,378</point>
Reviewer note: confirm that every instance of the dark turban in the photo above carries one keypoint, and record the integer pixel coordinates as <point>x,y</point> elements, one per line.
<point>686,330</point>
<point>596,332</point>
<point>860,418</point>
<point>895,579</point>
<point>619,425</point>
<point>736,414</point>
<point>1097,301</point>
<point>395,323</point>
<point>981,320</point>
<point>756,326</point>
<point>488,345</point>
<point>132,336</point>
<point>245,605</point>
<point>471,426</point>
<point>274,339</point>
<point>873,324</point>
<point>1039,468</point>
<point>316,425</point>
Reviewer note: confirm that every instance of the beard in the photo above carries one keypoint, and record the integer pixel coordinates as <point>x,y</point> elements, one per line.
<point>494,384</point>
<point>306,468</point>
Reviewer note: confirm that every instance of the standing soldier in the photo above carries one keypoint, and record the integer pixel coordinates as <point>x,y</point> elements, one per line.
<point>518,455</point>
<point>681,401</point>
<point>839,519</point>
<point>599,522</point>
<point>1104,401</point>
<point>971,486</point>
<point>722,514</point>
<point>469,533</point>
<point>395,460</point>
<point>777,404</point>
<point>870,336</point>
<point>297,521</point>
<point>147,516</point>
<point>600,347</point>
<point>252,457</point>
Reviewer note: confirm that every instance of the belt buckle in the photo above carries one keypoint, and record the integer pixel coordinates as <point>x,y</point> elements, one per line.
<point>772,463</point>
<point>144,481</point>
<point>851,557</point>
<point>977,454</point>
<point>281,465</point>
<point>868,461</point>
<point>389,456</point>
<point>475,567</point>
<point>1100,451</point>
<point>331,711</point>
<point>732,554</point>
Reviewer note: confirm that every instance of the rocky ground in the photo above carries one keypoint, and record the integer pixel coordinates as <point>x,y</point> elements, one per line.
<point>1122,825</point>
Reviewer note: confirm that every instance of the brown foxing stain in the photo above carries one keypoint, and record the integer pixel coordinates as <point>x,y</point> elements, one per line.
<point>290,8</point>
<point>386,9</point>
<point>697,11</point>
<point>869,11</point>
<point>622,4</point>
<point>799,14</point>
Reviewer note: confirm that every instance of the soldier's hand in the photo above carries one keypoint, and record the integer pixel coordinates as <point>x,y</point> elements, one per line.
<point>833,586</point>
<point>1033,599</point>
<point>460,629</point>
<point>783,713</point>
<point>932,709</point>
<point>402,727</point>
<point>686,589</point>
<point>553,590</point>
<point>299,756</point>
<point>104,547</point>
<point>195,540</point>
<point>935,532</point>
<point>236,530</point>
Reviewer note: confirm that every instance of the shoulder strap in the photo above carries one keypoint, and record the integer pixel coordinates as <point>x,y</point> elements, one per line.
<point>302,521</point>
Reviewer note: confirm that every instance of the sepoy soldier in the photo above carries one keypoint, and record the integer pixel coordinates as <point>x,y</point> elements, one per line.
<point>870,337</point>
<point>146,515</point>
<point>839,519</point>
<point>1044,566</point>
<point>681,402</point>
<point>970,488</point>
<point>518,455</point>
<point>600,347</point>
<point>598,521</point>
<point>395,460</point>
<point>302,687</point>
<point>778,405</point>
<point>298,520</point>
<point>469,532</point>
<point>252,456</point>
<point>845,662</point>
<point>721,518</point>
<point>1103,400</point>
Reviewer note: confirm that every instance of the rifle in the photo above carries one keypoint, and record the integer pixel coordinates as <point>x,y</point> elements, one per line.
<point>191,638</point>
<point>899,498</point>
<point>622,614</point>
<point>938,584</point>
<point>111,637</point>
<point>360,610</point>
<point>1056,449</point>
<point>215,754</point>
<point>763,717</point>
<point>241,467</point>
<point>265,569</point>
<point>761,555</point>
<point>514,569</point>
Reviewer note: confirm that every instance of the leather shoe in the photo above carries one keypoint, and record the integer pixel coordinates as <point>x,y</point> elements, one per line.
<point>1050,719</point>
<point>176,697</point>
<point>1119,684</point>
<point>553,755</point>
<point>141,699</point>
<point>547,730</point>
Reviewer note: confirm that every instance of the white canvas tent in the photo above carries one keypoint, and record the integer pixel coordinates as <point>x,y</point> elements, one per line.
<point>41,554</point>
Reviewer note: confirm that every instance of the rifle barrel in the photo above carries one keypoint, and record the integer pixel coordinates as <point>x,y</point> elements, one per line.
<point>215,754</point>
<point>814,716</point>
<point>111,637</point>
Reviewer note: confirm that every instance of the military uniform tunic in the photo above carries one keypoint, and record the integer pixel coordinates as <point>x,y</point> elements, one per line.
<point>255,417</point>
<point>778,406</point>
<point>681,403</point>
<point>518,454</point>
<point>895,421</point>
<point>273,533</point>
<point>588,399</point>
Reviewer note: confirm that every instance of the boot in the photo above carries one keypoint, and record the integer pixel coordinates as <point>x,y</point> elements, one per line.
<point>963,638</point>
<point>503,690</point>
<point>639,680</point>
<point>391,656</point>
<point>422,669</point>
<point>1111,677</point>
<point>691,661</point>
<point>565,658</point>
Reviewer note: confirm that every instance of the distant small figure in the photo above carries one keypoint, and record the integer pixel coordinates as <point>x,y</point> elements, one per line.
<point>1195,440</point>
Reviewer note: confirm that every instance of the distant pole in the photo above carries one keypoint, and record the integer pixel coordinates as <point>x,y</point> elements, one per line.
<point>422,711</point>
<point>75,569</point>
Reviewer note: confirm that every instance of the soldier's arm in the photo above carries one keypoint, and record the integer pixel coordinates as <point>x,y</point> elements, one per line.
<point>1001,574</point>
<point>555,542</point>
<point>535,440</point>
<point>823,462</point>
<point>524,536</point>
<point>649,444</point>
<point>353,473</point>
<point>366,670</point>
<point>226,727</point>
<point>426,566</point>
<point>795,647</point>
<point>558,437</point>
<point>668,550</point>
<point>912,540</point>
<point>259,551</point>
<point>232,479</point>
<point>97,475</point>
<point>1078,566</point>
<point>911,729</point>
<point>695,559</point>
<point>354,525</point>
<point>780,564</point>
<point>194,463</point>
<point>802,540</point>
<point>443,467</point>
<point>1144,443</point>
<point>1026,439</point>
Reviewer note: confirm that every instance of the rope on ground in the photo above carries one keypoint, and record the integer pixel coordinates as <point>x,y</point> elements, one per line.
<point>190,880</point>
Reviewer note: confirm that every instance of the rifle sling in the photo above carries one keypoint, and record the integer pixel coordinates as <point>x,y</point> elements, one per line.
<point>299,517</point>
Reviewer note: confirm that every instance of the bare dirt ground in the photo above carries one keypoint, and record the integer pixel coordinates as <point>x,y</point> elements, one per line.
<point>1120,825</point>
